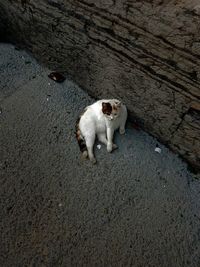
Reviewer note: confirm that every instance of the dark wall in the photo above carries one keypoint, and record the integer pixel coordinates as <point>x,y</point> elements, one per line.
<point>146,53</point>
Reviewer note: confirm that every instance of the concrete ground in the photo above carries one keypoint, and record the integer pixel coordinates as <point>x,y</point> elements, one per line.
<point>135,207</point>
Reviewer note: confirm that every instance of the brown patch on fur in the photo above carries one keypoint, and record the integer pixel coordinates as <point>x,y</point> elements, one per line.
<point>81,141</point>
<point>106,108</point>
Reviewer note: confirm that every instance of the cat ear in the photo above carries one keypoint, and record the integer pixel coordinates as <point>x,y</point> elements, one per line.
<point>118,104</point>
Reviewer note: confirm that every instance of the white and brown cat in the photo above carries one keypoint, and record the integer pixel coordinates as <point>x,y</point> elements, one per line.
<point>100,119</point>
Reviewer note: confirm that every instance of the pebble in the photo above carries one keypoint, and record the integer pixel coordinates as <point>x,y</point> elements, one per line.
<point>158,150</point>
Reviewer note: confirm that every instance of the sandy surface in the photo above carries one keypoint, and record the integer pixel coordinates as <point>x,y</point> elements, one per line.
<point>135,207</point>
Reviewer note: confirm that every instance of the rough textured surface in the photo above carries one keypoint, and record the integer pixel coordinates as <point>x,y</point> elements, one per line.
<point>135,208</point>
<point>144,52</point>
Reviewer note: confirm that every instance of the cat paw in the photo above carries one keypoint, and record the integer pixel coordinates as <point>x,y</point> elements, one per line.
<point>84,154</point>
<point>109,148</point>
<point>93,160</point>
<point>114,146</point>
<point>122,131</point>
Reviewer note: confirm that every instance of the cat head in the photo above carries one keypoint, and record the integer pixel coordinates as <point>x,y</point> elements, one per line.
<point>111,109</point>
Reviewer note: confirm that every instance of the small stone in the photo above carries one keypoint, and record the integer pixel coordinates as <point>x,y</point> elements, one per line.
<point>48,97</point>
<point>56,76</point>
<point>158,150</point>
<point>99,146</point>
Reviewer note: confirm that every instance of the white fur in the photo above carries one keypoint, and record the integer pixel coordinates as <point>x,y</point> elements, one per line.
<point>95,123</point>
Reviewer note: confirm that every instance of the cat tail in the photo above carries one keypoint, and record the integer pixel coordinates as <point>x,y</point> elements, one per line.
<point>81,140</point>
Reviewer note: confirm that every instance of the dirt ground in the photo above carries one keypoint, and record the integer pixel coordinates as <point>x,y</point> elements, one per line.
<point>135,207</point>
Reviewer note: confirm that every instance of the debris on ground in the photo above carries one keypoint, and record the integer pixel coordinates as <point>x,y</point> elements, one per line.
<point>99,146</point>
<point>48,96</point>
<point>158,150</point>
<point>57,77</point>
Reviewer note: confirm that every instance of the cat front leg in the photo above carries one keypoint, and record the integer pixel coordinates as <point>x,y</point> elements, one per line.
<point>103,140</point>
<point>122,127</point>
<point>90,143</point>
<point>110,145</point>
<point>123,122</point>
